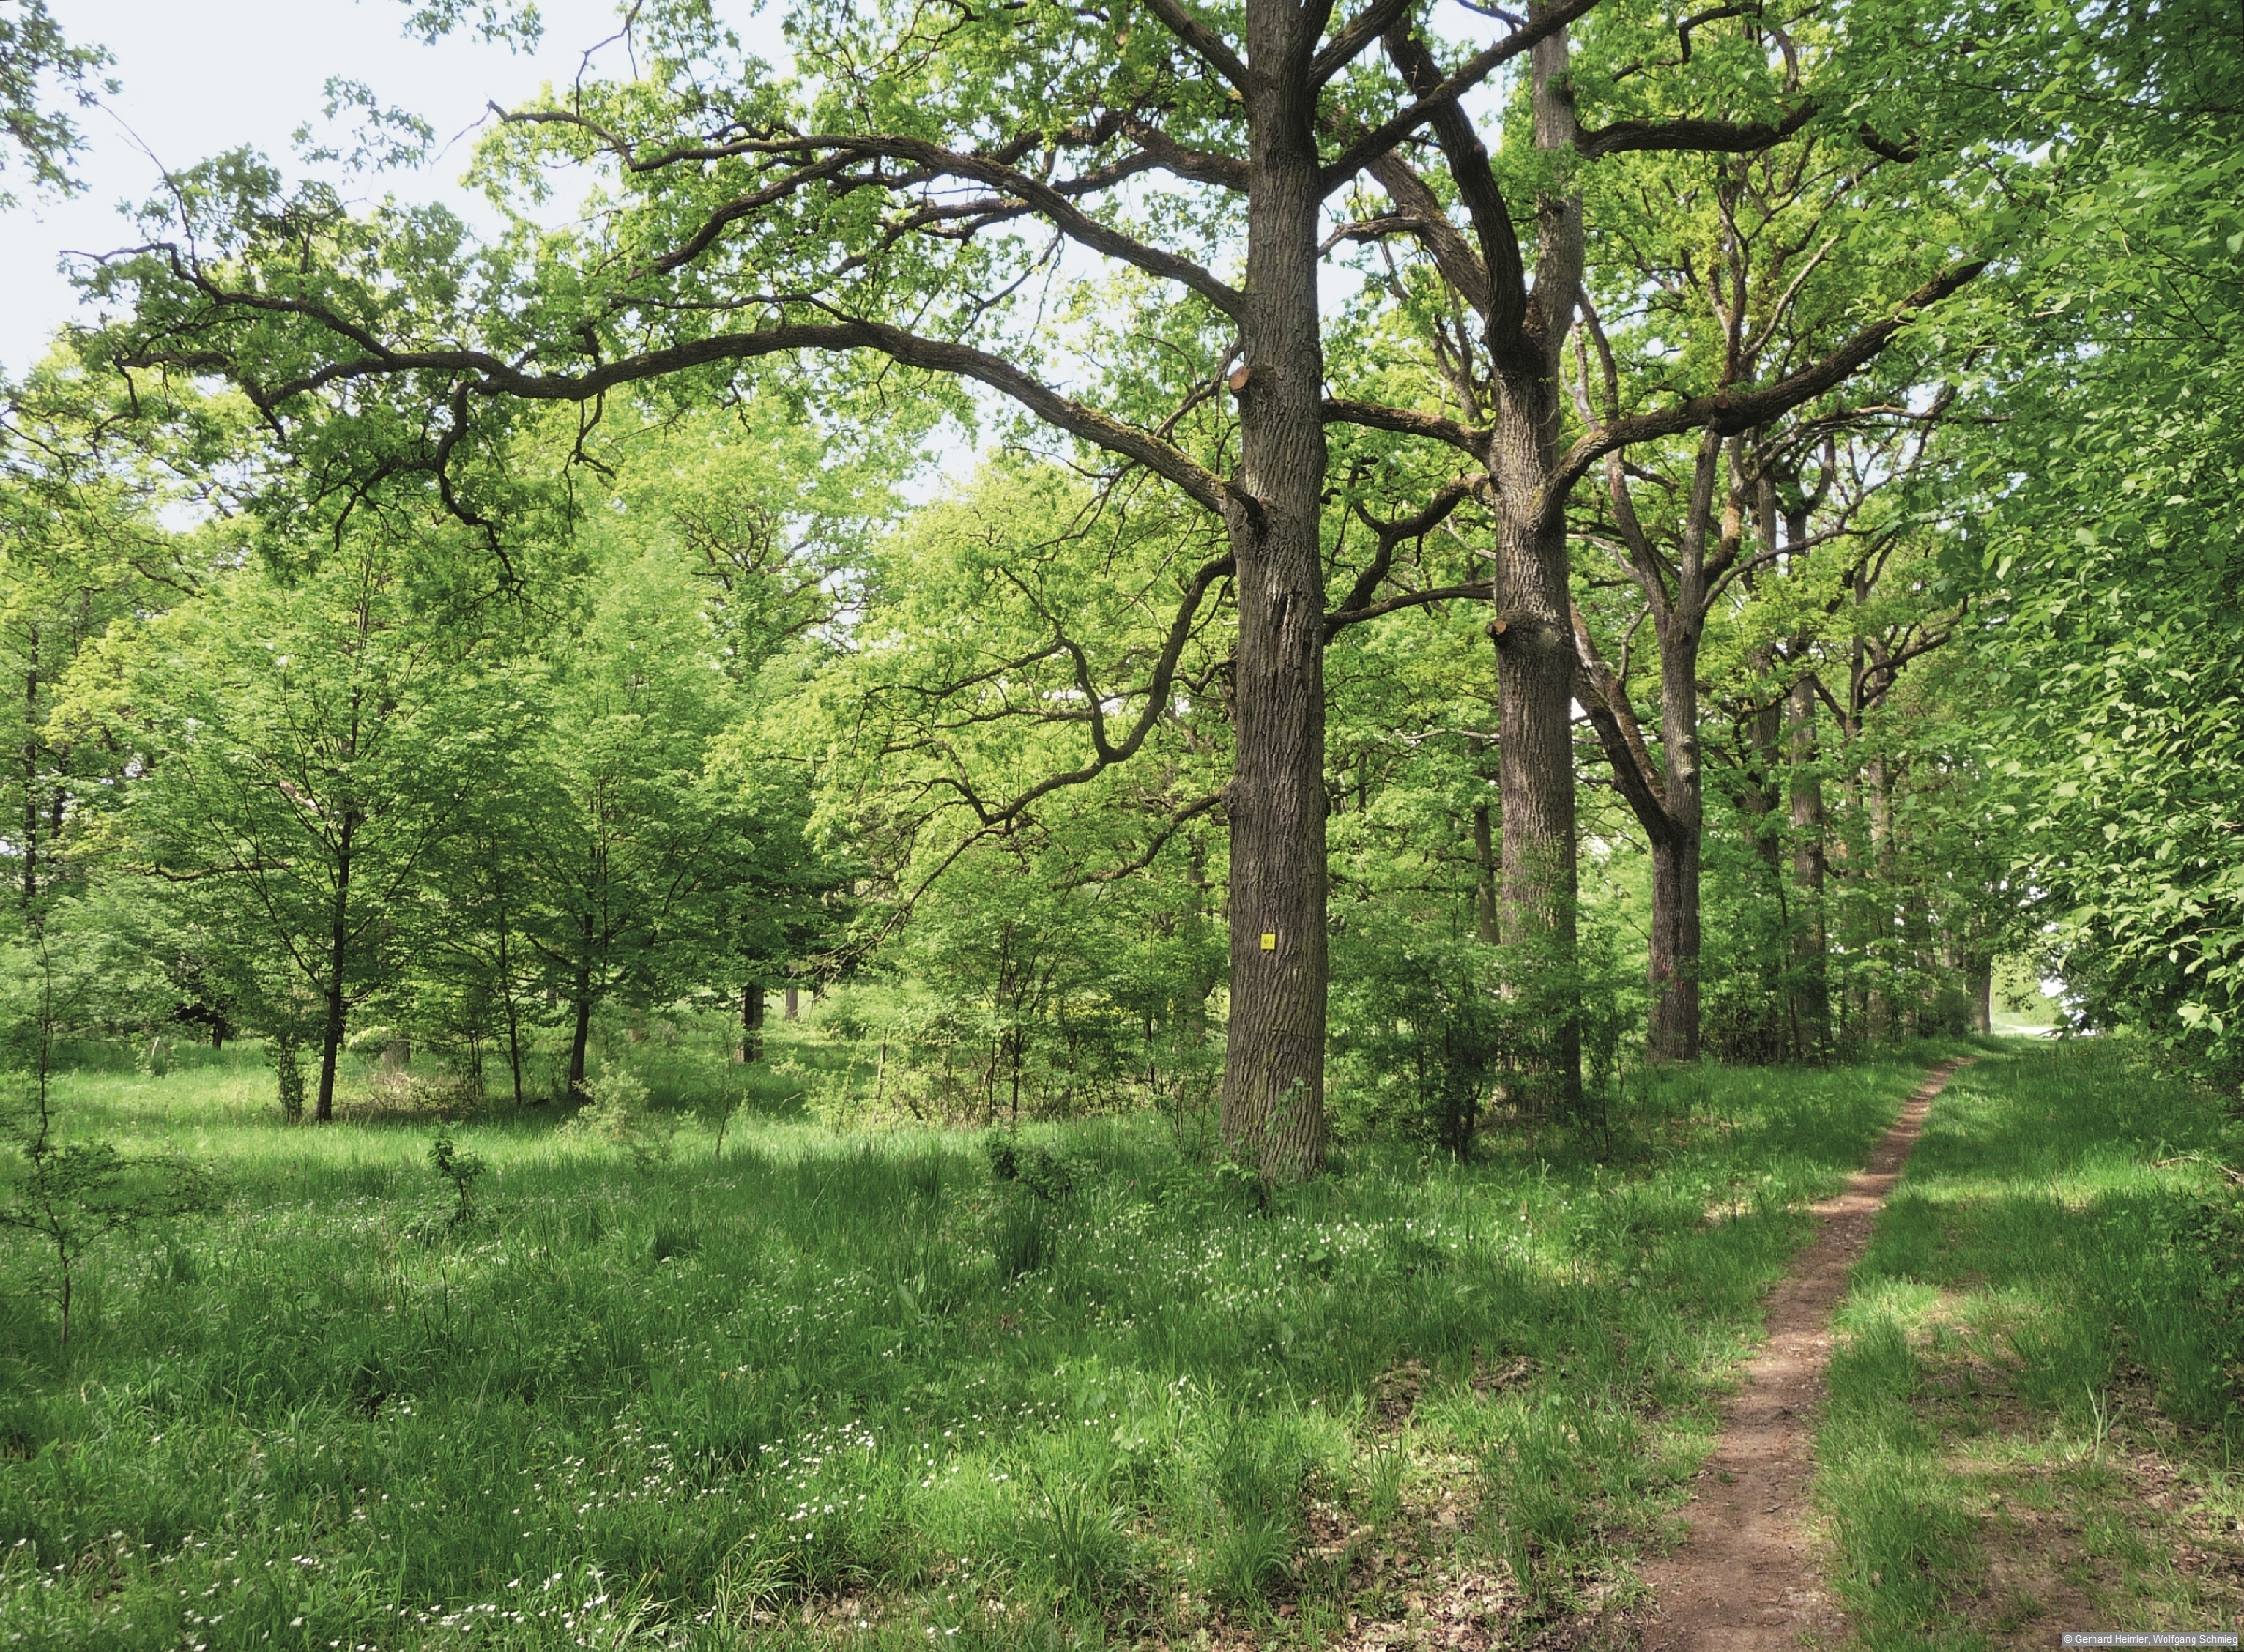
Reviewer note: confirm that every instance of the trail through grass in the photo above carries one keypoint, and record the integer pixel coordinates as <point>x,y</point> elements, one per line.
<point>2035,1414</point>
<point>863,1389</point>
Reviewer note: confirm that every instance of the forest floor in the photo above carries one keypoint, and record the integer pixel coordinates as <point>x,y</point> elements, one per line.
<point>798,1387</point>
<point>1750,1578</point>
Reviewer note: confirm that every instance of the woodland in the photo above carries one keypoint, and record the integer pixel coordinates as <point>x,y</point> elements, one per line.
<point>1295,710</point>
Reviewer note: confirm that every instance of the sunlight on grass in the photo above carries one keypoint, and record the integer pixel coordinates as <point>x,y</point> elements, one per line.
<point>829,1378</point>
<point>2043,1334</point>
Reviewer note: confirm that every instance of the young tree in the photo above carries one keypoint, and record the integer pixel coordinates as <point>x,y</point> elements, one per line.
<point>304,747</point>
<point>631,841</point>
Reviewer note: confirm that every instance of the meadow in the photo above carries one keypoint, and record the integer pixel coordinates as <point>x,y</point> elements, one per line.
<point>1067,1386</point>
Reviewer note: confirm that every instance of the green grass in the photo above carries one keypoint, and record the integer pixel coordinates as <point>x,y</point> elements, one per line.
<point>2035,1409</point>
<point>855,1388</point>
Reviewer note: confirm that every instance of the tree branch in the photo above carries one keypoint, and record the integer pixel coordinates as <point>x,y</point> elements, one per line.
<point>1388,132</point>
<point>1729,412</point>
<point>1407,422</point>
<point>1473,590</point>
<point>1211,47</point>
<point>493,377</point>
<point>1719,138</point>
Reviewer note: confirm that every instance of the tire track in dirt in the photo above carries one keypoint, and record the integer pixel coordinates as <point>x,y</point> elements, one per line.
<point>1745,1579</point>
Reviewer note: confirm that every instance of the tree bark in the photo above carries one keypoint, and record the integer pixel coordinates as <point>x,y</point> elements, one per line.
<point>581,1043</point>
<point>1978,982</point>
<point>751,1022</point>
<point>1484,892</point>
<point>1810,943</point>
<point>1273,1070</point>
<point>331,1040</point>
<point>1674,1034</point>
<point>790,1004</point>
<point>1535,660</point>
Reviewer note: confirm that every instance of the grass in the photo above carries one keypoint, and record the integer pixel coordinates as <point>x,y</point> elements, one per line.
<point>2036,1407</point>
<point>830,1388</point>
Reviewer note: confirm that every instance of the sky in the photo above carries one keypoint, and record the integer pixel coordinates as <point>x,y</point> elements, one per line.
<point>199,77</point>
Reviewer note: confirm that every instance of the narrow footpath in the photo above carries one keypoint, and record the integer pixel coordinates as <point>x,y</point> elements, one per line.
<point>1745,1580</point>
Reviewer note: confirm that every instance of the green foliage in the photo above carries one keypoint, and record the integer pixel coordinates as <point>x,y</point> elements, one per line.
<point>461,1170</point>
<point>36,59</point>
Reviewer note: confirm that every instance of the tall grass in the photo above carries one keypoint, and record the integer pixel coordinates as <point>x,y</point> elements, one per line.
<point>850,1387</point>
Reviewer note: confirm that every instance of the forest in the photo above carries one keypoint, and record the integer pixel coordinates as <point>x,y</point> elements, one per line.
<point>1096,824</point>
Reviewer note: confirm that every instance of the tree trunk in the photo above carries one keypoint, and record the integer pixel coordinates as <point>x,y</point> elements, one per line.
<point>1535,659</point>
<point>751,1022</point>
<point>331,1040</point>
<point>506,995</point>
<point>1674,1033</point>
<point>1484,892</point>
<point>1884,945</point>
<point>791,1005</point>
<point>31,772</point>
<point>1274,1075</point>
<point>1810,942</point>
<point>581,1043</point>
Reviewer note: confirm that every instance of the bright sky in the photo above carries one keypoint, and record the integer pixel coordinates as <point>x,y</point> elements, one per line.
<point>199,77</point>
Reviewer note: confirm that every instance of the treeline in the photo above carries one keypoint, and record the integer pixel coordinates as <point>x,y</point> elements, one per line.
<point>1678,588</point>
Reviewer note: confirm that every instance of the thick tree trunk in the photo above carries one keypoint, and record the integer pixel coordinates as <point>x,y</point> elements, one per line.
<point>1535,659</point>
<point>1978,984</point>
<point>751,1022</point>
<point>790,1004</point>
<point>1273,1074</point>
<point>1674,1034</point>
<point>1810,943</point>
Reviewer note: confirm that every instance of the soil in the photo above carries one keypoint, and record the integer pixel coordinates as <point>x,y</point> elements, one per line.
<point>1745,1579</point>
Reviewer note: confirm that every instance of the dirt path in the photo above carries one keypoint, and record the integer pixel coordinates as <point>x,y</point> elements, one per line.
<point>1745,1580</point>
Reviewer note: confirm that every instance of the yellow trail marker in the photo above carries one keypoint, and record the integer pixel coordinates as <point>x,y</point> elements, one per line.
<point>1270,942</point>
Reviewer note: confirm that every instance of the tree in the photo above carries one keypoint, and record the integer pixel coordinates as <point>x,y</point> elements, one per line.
<point>626,835</point>
<point>305,747</point>
<point>871,207</point>
<point>1707,238</point>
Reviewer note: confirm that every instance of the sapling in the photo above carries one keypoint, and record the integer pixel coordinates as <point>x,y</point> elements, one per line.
<point>461,1170</point>
<point>69,1196</point>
